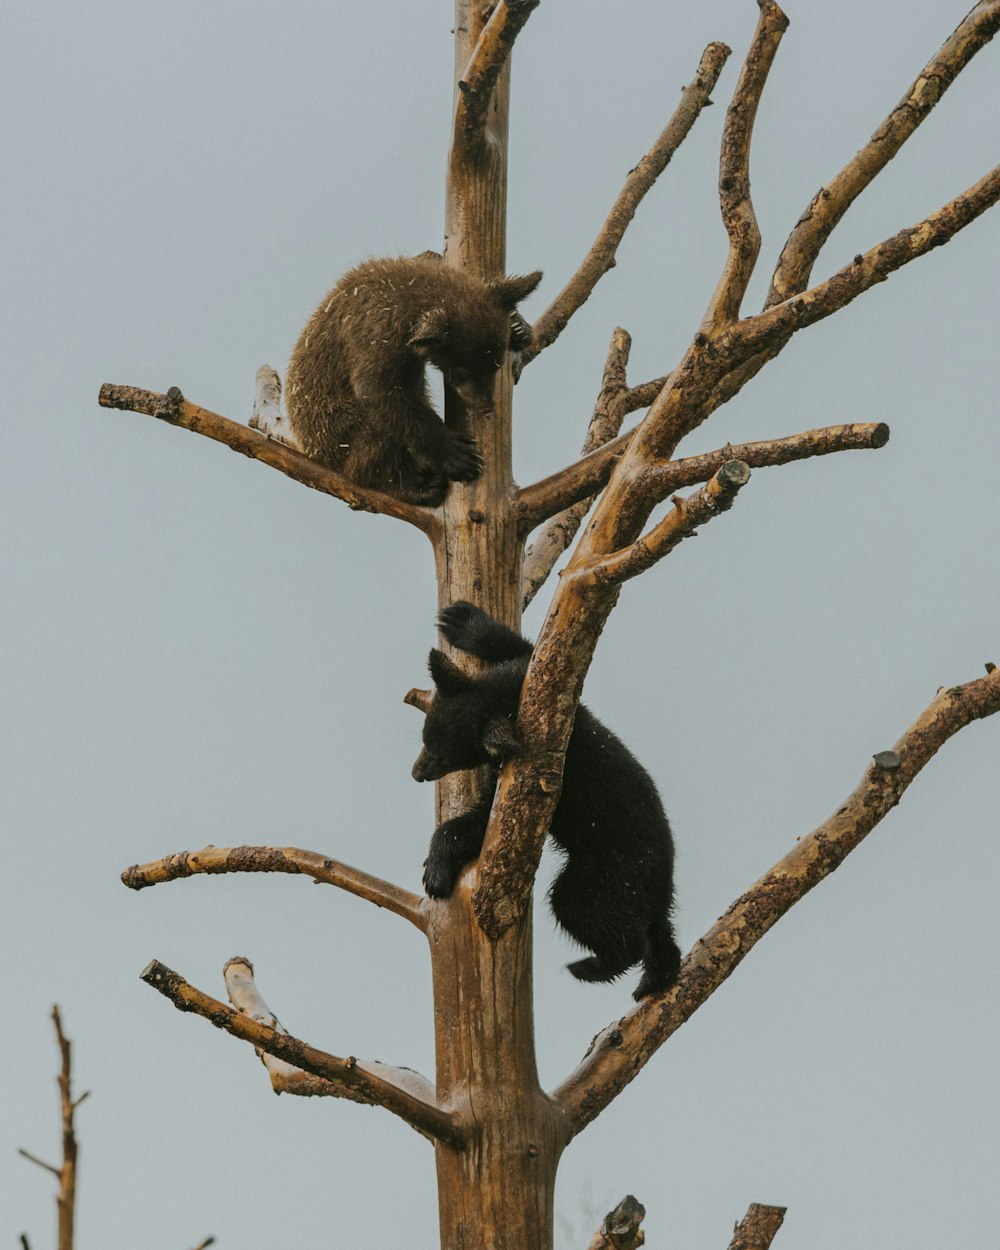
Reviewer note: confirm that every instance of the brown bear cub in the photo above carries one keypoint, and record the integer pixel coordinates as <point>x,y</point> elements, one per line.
<point>356,391</point>
<point>615,891</point>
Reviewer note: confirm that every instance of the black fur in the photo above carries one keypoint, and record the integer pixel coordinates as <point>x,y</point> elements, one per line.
<point>356,392</point>
<point>615,891</point>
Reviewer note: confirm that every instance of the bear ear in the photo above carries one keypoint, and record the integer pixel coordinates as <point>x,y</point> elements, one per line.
<point>510,291</point>
<point>500,738</point>
<point>430,331</point>
<point>448,677</point>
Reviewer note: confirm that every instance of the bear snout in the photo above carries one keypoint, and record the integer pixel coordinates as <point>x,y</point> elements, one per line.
<point>427,767</point>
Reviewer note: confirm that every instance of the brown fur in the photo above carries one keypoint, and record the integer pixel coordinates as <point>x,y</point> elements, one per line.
<point>356,391</point>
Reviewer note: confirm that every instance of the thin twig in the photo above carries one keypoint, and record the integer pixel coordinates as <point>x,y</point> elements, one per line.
<point>176,410</point>
<point>623,1049</point>
<point>423,1116</point>
<point>290,859</point>
<point>601,257</point>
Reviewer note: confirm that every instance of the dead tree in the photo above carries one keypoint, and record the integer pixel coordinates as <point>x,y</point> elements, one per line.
<point>497,1134</point>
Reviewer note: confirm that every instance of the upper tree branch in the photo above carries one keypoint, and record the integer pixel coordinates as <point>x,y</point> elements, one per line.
<point>529,787</point>
<point>592,472</point>
<point>219,859</point>
<point>601,257</point>
<point>758,1228</point>
<point>423,1116</point>
<point>623,1049</point>
<point>734,171</point>
<point>831,202</point>
<point>475,87</point>
<point>175,409</point>
<point>288,1079</point>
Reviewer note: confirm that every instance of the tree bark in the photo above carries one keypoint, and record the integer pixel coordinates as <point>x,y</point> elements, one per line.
<point>502,1177</point>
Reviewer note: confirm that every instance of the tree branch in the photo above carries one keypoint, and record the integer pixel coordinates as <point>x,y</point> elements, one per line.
<point>475,87</point>
<point>48,1167</point>
<point>605,422</point>
<point>601,257</point>
<point>758,1227</point>
<point>176,410</point>
<point>322,869</point>
<point>681,522</point>
<point>830,203</point>
<point>620,1228</point>
<point>288,1079</point>
<point>670,475</point>
<point>734,171</point>
<point>423,1116</point>
<point>66,1173</point>
<point>623,1049</point>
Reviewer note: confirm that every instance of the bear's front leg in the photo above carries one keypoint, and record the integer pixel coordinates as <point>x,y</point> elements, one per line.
<point>455,843</point>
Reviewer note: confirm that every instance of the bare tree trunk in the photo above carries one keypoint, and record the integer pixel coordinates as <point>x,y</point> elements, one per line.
<point>502,1177</point>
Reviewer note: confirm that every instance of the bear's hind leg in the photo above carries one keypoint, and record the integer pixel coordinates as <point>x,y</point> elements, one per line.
<point>597,968</point>
<point>661,962</point>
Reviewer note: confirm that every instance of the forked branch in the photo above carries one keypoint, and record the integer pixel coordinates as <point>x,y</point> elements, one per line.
<point>371,1088</point>
<point>831,202</point>
<point>601,257</point>
<point>622,1050</point>
<point>176,410</point>
<point>289,859</point>
<point>681,522</point>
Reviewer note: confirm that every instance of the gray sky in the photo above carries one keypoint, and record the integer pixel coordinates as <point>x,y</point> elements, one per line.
<point>195,649</point>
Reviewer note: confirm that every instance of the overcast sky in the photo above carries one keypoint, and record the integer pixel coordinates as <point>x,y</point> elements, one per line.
<point>196,649</point>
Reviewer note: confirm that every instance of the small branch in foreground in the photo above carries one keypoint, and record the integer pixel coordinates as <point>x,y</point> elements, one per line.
<point>758,1227</point>
<point>488,58</point>
<point>425,1117</point>
<point>734,171</point>
<point>601,257</point>
<point>605,422</point>
<point>176,410</point>
<point>290,859</point>
<point>620,1228</point>
<point>619,1053</point>
<point>66,1173</point>
<point>288,1079</point>
<point>830,203</point>
<point>715,497</point>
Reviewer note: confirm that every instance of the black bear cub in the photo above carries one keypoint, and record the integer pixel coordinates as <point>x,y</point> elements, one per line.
<point>615,891</point>
<point>355,389</point>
